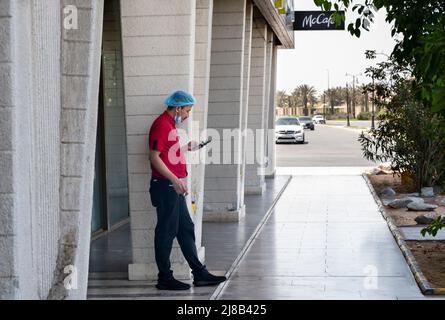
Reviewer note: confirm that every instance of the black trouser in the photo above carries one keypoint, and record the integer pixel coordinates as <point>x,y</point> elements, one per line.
<point>173,221</point>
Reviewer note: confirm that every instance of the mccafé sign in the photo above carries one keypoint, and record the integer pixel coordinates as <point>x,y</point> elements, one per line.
<point>316,20</point>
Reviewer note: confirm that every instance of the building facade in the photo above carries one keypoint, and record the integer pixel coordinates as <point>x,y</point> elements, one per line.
<point>81,82</point>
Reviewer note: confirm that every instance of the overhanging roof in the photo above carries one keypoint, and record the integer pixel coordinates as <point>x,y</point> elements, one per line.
<point>276,22</point>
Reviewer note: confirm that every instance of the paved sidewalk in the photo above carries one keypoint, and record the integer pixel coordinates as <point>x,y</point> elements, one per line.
<point>111,254</point>
<point>325,239</point>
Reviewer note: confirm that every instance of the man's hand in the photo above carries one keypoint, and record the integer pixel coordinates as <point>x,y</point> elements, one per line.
<point>193,146</point>
<point>180,186</point>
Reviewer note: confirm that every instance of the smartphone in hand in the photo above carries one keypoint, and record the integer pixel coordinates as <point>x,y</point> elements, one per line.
<point>203,143</point>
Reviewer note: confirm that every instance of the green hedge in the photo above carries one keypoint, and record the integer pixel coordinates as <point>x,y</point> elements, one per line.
<point>364,116</point>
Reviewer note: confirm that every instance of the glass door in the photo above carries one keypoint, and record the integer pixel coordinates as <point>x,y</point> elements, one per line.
<point>99,219</point>
<point>115,135</point>
<point>111,179</point>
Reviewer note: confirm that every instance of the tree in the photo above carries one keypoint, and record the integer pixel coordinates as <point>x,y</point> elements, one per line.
<point>312,101</point>
<point>306,93</point>
<point>329,98</point>
<point>282,99</point>
<point>294,99</point>
<point>421,23</point>
<point>357,98</point>
<point>338,96</point>
<point>407,135</point>
<point>363,98</point>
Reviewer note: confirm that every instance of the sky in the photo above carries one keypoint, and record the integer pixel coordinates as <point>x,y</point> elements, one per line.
<point>319,53</point>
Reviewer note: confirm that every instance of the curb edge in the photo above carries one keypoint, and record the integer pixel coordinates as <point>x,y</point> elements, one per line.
<point>420,278</point>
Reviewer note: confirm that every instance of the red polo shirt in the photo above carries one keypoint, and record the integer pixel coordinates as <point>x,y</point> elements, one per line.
<point>164,138</point>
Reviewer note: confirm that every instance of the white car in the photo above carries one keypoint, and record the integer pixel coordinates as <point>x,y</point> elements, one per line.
<point>289,129</point>
<point>318,119</point>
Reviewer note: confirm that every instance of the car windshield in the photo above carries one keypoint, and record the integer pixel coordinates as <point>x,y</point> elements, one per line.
<point>305,119</point>
<point>287,122</point>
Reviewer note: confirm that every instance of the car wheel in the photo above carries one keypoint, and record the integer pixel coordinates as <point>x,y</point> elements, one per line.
<point>312,129</point>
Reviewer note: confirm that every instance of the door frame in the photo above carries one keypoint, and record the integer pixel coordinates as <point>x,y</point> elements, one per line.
<point>102,170</point>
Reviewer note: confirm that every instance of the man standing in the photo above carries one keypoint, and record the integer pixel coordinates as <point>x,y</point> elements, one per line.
<point>168,190</point>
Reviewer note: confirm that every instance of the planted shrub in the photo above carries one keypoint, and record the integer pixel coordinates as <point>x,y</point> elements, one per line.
<point>364,116</point>
<point>409,136</point>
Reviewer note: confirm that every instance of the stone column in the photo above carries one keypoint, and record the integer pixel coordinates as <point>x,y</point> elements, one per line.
<point>223,183</point>
<point>204,13</point>
<point>267,93</point>
<point>44,130</point>
<point>15,149</point>
<point>158,55</point>
<point>246,83</point>
<point>49,83</point>
<point>271,156</point>
<point>255,182</point>
<point>80,69</point>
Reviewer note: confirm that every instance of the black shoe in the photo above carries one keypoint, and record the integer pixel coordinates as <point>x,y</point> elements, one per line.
<point>205,278</point>
<point>172,284</point>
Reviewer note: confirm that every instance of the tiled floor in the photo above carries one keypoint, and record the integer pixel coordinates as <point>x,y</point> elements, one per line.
<point>325,240</point>
<point>111,254</point>
<point>321,171</point>
<point>223,242</point>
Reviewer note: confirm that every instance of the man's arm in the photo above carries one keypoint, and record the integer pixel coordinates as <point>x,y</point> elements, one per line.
<point>191,146</point>
<point>160,166</point>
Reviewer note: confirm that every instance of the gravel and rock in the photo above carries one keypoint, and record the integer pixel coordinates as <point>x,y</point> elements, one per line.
<point>427,192</point>
<point>426,218</point>
<point>388,192</point>
<point>421,206</point>
<point>404,202</point>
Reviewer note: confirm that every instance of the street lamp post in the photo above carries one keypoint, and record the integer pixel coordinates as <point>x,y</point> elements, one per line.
<point>353,91</point>
<point>372,105</point>
<point>347,106</point>
<point>324,105</point>
<point>329,96</point>
<point>353,96</point>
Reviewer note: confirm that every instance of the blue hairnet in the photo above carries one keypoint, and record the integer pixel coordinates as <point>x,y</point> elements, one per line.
<point>180,99</point>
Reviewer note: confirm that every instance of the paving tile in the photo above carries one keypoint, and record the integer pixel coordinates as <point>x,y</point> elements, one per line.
<point>344,249</point>
<point>325,241</point>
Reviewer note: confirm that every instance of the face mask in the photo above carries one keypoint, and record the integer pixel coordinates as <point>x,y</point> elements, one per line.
<point>178,118</point>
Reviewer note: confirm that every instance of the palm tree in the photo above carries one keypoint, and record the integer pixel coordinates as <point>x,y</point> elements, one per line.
<point>365,89</point>
<point>282,99</point>
<point>307,93</point>
<point>294,100</point>
<point>328,97</point>
<point>338,96</point>
<point>312,101</point>
<point>362,97</point>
